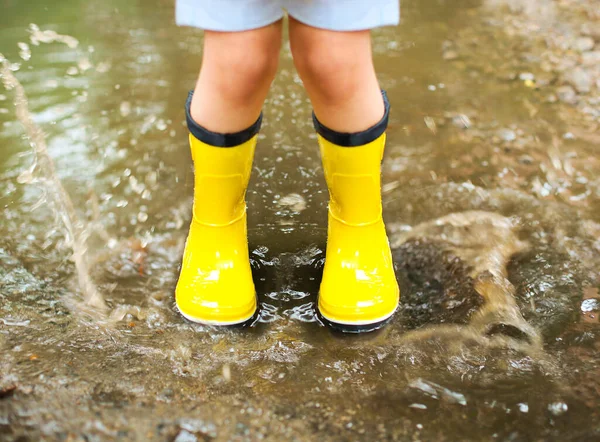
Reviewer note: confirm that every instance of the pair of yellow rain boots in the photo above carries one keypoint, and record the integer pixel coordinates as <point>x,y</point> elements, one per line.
<point>359,291</point>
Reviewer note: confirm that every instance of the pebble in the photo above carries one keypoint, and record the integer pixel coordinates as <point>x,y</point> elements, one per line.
<point>448,51</point>
<point>450,55</point>
<point>526,159</point>
<point>580,79</point>
<point>199,427</point>
<point>567,94</point>
<point>526,76</point>
<point>50,428</point>
<point>584,44</point>
<point>185,436</point>
<point>591,58</point>
<point>591,30</point>
<point>461,121</point>
<point>507,134</point>
<point>558,408</point>
<point>590,305</point>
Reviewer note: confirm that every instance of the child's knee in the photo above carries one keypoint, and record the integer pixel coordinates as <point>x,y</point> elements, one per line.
<point>242,70</point>
<point>334,72</point>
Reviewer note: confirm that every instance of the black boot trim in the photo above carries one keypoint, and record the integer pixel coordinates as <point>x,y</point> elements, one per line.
<point>218,139</point>
<point>357,138</point>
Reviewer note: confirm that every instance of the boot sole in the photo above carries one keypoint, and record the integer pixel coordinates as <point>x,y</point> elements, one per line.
<point>355,327</point>
<point>232,324</point>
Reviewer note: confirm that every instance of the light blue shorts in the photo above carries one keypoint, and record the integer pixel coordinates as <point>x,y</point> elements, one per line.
<point>242,15</point>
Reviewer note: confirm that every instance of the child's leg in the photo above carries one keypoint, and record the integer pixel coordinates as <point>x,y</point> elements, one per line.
<point>215,284</point>
<point>338,73</point>
<point>359,290</point>
<point>237,70</point>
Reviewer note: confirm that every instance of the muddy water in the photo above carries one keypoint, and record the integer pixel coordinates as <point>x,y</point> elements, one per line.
<point>491,195</point>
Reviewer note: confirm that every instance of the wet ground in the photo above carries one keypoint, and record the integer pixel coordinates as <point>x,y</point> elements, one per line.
<point>491,196</point>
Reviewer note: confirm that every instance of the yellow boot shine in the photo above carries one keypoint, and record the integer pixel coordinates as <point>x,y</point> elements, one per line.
<point>215,286</point>
<point>359,291</point>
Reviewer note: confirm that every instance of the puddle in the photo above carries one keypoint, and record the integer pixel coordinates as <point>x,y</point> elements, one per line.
<point>491,197</point>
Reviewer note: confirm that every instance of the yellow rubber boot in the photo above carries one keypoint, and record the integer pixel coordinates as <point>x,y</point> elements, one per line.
<point>359,291</point>
<point>215,286</point>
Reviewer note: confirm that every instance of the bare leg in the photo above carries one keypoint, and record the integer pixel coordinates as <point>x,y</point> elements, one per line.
<point>237,71</point>
<point>338,74</point>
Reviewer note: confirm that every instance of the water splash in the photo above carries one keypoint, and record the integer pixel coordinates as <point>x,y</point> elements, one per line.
<point>38,36</point>
<point>484,242</point>
<point>55,195</point>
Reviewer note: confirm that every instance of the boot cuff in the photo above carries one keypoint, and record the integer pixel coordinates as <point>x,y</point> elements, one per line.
<point>218,139</point>
<point>357,138</point>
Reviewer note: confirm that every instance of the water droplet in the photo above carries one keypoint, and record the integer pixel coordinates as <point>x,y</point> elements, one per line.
<point>25,52</point>
<point>226,372</point>
<point>84,64</point>
<point>526,76</point>
<point>151,178</point>
<point>102,67</point>
<point>431,125</point>
<point>125,108</point>
<point>136,186</point>
<point>51,84</point>
<point>48,36</point>
<point>25,177</point>
<point>294,201</point>
<point>268,313</point>
<point>161,125</point>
